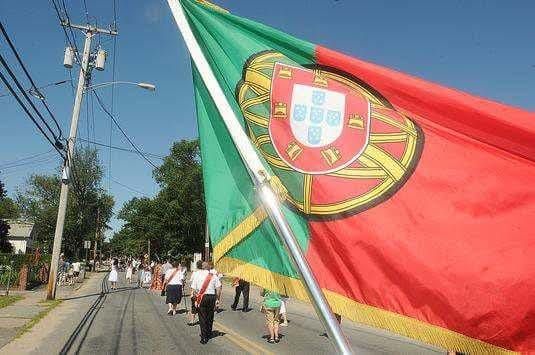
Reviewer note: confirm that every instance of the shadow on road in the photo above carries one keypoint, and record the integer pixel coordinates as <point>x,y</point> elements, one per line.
<point>120,289</point>
<point>88,317</point>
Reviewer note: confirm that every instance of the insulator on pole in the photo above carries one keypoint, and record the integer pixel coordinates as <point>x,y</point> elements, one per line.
<point>68,58</point>
<point>101,59</point>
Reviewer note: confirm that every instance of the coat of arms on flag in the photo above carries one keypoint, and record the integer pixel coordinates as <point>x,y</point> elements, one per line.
<point>326,130</point>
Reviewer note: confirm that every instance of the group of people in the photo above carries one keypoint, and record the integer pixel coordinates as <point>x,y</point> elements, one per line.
<point>133,267</point>
<point>68,272</point>
<point>205,289</point>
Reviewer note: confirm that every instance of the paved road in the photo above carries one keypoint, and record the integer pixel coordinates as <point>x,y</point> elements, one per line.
<point>131,320</point>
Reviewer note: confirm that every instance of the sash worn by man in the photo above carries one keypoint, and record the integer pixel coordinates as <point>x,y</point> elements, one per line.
<point>207,291</point>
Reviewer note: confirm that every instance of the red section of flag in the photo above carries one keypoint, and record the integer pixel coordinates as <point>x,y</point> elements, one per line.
<point>455,246</point>
<point>506,127</point>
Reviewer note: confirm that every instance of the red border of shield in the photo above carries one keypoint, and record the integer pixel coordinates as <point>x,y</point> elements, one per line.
<point>316,160</point>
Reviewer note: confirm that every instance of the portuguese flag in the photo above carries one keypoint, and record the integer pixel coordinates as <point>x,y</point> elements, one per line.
<point>413,203</point>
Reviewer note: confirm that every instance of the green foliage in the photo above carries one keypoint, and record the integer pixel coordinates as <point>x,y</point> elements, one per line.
<point>8,207</point>
<point>16,261</point>
<point>5,245</point>
<point>173,221</point>
<point>38,203</point>
<point>7,300</point>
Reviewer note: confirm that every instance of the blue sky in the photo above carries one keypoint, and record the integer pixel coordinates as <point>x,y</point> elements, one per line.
<point>482,47</point>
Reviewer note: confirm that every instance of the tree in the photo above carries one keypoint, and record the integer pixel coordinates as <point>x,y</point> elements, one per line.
<point>5,245</point>
<point>38,203</point>
<point>8,207</point>
<point>182,195</point>
<point>173,221</point>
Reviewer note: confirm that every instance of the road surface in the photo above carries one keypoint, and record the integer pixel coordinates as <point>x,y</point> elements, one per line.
<point>133,320</point>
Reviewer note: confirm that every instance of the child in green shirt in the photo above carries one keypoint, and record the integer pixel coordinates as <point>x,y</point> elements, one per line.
<point>271,306</point>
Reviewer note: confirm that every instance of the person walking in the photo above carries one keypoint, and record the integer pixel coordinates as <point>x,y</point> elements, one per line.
<point>241,287</point>
<point>140,275</point>
<point>76,266</point>
<point>157,279</point>
<point>129,271</point>
<point>173,287</point>
<point>114,274</point>
<point>271,308</point>
<point>147,277</point>
<point>283,313</point>
<point>219,275</point>
<point>207,291</point>
<point>193,310</point>
<point>165,267</point>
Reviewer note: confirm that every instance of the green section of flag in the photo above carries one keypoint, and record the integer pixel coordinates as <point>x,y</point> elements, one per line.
<point>230,195</point>
<point>227,42</point>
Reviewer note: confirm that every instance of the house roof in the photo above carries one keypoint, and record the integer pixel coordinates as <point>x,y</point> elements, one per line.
<point>20,229</point>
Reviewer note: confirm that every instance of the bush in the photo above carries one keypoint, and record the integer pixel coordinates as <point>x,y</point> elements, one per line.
<point>37,268</point>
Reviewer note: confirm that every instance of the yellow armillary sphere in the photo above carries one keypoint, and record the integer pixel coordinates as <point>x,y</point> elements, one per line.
<point>335,143</point>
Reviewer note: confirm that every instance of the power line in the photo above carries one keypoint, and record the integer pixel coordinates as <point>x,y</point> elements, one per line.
<point>71,82</point>
<point>24,160</point>
<point>34,86</point>
<point>128,187</point>
<point>41,87</point>
<point>87,117</point>
<point>21,89</point>
<point>156,156</point>
<point>29,114</point>
<point>112,88</point>
<point>25,167</point>
<point>71,44</point>
<point>93,116</point>
<point>33,162</point>
<point>70,28</point>
<point>115,14</point>
<point>122,131</point>
<point>86,12</point>
<point>73,176</point>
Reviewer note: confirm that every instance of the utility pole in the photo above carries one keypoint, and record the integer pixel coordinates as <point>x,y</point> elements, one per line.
<point>206,242</point>
<point>97,235</point>
<point>148,251</point>
<point>85,70</point>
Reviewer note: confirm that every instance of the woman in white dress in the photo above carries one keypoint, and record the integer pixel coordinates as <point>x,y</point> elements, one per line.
<point>129,270</point>
<point>113,274</point>
<point>147,277</point>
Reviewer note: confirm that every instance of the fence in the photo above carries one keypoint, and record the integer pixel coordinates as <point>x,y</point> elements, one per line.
<point>23,271</point>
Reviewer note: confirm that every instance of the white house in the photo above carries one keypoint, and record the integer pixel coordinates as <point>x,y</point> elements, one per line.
<point>21,236</point>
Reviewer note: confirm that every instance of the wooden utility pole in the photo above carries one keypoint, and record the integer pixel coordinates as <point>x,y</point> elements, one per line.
<point>97,235</point>
<point>148,250</point>
<point>85,72</point>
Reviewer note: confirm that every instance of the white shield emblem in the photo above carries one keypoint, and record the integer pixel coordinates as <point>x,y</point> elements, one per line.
<point>316,115</point>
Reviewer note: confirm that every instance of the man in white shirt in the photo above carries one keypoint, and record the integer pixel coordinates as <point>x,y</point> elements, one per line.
<point>193,311</point>
<point>219,276</point>
<point>207,289</point>
<point>76,269</point>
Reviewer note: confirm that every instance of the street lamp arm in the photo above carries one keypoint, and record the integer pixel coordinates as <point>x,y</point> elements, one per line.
<point>146,86</point>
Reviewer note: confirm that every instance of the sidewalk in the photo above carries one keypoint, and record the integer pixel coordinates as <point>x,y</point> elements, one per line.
<point>18,315</point>
<point>49,334</point>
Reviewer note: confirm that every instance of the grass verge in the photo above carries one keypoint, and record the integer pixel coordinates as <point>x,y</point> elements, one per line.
<point>48,306</point>
<point>7,300</point>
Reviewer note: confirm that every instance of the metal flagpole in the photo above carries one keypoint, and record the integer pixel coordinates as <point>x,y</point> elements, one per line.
<point>261,179</point>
